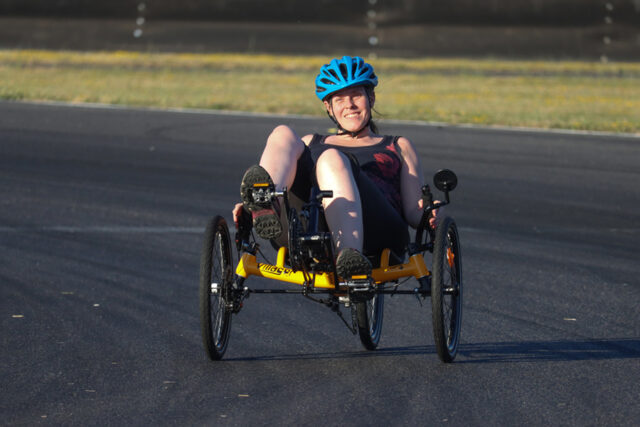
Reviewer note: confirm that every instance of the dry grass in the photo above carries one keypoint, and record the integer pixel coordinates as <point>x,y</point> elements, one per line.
<point>570,95</point>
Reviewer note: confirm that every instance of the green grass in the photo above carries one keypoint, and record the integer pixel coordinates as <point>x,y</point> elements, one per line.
<point>569,95</point>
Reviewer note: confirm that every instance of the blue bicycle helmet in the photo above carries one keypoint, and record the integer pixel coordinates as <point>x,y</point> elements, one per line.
<point>343,73</point>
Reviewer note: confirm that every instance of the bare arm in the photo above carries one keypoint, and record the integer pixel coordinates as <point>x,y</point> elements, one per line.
<point>411,184</point>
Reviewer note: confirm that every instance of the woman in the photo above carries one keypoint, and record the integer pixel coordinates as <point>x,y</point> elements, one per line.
<point>376,180</point>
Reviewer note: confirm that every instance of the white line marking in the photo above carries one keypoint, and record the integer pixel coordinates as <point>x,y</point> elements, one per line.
<point>115,229</point>
<point>537,230</point>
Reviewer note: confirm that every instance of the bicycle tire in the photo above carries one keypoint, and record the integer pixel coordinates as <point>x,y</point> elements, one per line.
<point>215,288</point>
<point>446,290</point>
<point>369,315</point>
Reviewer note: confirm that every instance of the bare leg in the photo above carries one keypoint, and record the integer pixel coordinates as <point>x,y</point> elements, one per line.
<point>343,212</point>
<point>280,156</point>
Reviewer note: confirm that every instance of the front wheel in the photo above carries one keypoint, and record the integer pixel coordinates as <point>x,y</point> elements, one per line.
<point>369,317</point>
<point>446,290</point>
<point>215,288</point>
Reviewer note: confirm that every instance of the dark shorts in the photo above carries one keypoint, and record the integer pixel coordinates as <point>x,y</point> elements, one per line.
<point>383,225</point>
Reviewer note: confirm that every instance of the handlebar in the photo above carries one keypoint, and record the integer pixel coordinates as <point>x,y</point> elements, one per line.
<point>428,207</point>
<point>324,194</point>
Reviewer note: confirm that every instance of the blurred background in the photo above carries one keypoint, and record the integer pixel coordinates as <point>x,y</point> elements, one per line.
<point>597,30</point>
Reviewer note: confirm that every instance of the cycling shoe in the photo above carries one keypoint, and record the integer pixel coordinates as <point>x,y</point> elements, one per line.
<point>256,192</point>
<point>352,263</point>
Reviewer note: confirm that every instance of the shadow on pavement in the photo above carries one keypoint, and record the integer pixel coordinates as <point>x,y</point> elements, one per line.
<point>556,351</point>
<point>500,352</point>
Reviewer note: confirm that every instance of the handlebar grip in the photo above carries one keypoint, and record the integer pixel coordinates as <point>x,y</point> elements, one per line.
<point>427,206</point>
<point>324,194</point>
<point>427,196</point>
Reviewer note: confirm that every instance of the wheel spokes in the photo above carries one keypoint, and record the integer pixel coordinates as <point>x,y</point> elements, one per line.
<point>218,298</point>
<point>450,300</point>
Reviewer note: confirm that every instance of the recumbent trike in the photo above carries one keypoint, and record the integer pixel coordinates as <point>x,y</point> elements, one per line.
<point>308,261</point>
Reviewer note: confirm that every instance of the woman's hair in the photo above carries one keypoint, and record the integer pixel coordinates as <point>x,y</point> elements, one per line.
<point>374,128</point>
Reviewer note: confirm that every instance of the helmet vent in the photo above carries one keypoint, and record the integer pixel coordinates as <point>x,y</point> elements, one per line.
<point>344,71</point>
<point>334,74</point>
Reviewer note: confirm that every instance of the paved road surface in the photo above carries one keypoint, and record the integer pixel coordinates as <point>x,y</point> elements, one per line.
<point>101,213</point>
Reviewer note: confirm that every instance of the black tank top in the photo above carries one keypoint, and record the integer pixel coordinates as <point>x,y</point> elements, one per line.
<point>381,163</point>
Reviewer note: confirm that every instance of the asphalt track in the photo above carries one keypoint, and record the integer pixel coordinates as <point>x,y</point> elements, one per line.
<point>101,214</point>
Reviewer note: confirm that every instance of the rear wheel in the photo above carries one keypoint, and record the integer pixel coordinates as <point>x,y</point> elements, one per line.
<point>446,290</point>
<point>369,317</point>
<point>215,288</point>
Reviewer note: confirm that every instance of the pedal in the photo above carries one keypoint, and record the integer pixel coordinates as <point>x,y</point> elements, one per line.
<point>359,283</point>
<point>360,290</point>
<point>262,193</point>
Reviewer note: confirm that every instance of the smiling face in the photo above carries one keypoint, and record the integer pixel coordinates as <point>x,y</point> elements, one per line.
<point>351,107</point>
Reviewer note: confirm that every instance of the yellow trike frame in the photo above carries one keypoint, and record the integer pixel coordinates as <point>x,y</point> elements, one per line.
<point>249,266</point>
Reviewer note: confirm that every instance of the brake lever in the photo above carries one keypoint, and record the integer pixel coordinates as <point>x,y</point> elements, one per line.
<point>427,201</point>
<point>428,207</point>
<point>427,196</point>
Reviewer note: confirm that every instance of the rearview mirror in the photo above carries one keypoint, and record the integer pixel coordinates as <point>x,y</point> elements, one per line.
<point>445,180</point>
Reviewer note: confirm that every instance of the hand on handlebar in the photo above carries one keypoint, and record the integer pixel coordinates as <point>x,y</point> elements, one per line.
<point>433,218</point>
<point>237,212</point>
